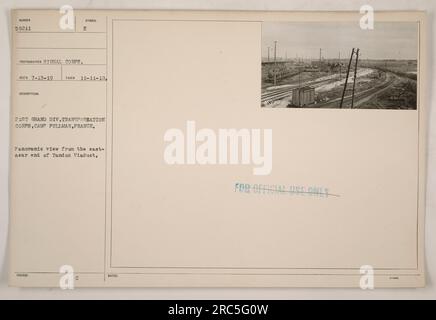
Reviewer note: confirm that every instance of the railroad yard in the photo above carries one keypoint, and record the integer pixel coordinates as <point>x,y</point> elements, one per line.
<point>380,84</point>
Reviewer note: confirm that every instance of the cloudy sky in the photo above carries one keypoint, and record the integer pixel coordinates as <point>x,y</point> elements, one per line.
<point>388,40</point>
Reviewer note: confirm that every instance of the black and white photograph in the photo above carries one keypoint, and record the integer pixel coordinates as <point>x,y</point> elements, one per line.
<point>339,65</point>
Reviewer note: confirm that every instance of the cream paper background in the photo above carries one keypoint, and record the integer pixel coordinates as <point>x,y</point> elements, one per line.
<point>190,215</point>
<point>367,140</point>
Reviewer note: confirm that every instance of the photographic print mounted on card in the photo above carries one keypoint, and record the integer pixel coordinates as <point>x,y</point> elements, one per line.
<point>339,65</point>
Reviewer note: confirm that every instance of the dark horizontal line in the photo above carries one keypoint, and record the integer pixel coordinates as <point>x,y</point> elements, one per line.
<point>257,268</point>
<point>231,274</point>
<point>60,64</point>
<point>53,272</point>
<point>297,192</point>
<point>263,274</point>
<point>62,80</point>
<point>65,32</point>
<point>187,20</point>
<point>61,48</point>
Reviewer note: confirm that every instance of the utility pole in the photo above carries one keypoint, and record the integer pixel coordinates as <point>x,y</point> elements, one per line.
<point>320,56</point>
<point>299,86</point>
<point>340,67</point>
<point>346,79</point>
<point>275,62</point>
<point>354,83</point>
<point>275,51</point>
<point>268,53</point>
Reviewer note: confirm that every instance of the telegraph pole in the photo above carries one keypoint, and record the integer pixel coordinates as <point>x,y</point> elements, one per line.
<point>320,58</point>
<point>340,67</point>
<point>354,83</point>
<point>346,79</point>
<point>275,51</point>
<point>268,53</point>
<point>275,62</point>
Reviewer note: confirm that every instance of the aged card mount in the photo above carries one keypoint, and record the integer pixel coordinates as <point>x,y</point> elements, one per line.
<point>217,149</point>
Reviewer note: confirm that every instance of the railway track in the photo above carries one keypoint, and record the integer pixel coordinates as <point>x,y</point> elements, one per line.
<point>270,96</point>
<point>360,96</point>
<point>278,94</point>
